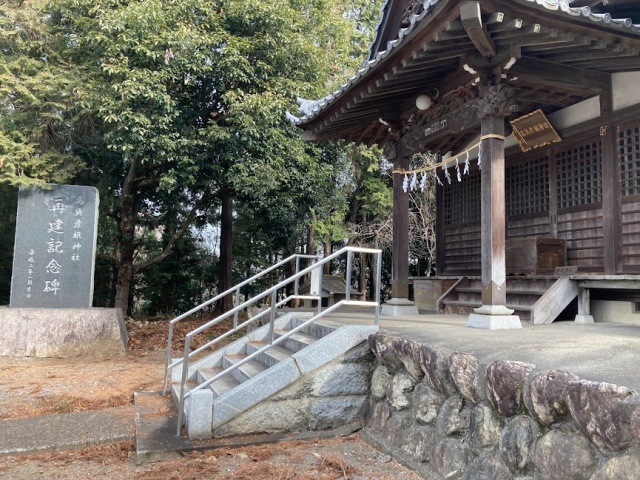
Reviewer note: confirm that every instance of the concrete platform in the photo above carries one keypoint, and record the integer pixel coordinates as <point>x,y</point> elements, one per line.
<point>603,352</point>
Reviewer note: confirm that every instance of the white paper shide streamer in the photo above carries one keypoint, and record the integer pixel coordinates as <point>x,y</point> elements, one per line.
<point>447,175</point>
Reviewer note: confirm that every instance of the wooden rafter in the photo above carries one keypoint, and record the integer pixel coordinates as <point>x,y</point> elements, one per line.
<point>471,18</point>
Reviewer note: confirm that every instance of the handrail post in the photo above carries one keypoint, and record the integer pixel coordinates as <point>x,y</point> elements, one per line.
<point>183,382</point>
<point>235,315</point>
<point>347,294</point>
<point>274,301</point>
<point>168,359</point>
<point>295,284</point>
<point>320,290</point>
<point>378,275</point>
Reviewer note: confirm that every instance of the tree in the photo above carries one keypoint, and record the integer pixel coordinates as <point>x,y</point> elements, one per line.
<point>176,108</point>
<point>37,102</point>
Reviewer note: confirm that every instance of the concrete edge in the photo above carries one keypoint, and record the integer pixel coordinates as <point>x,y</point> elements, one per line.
<point>67,431</point>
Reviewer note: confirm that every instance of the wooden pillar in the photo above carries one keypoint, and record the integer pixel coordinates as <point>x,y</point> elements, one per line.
<point>400,245</point>
<point>496,102</point>
<point>494,291</point>
<point>611,207</point>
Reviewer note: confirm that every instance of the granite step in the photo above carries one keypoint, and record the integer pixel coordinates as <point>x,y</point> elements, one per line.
<point>295,342</point>
<point>270,357</point>
<point>220,386</point>
<point>245,371</point>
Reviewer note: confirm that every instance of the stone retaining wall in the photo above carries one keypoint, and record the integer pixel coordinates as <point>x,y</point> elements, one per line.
<point>448,417</point>
<point>329,398</point>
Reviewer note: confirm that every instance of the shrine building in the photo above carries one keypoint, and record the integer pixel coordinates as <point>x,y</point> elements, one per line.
<point>531,109</point>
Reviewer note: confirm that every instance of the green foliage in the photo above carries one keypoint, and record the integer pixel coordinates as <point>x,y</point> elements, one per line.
<point>164,104</point>
<point>38,104</point>
<point>180,282</point>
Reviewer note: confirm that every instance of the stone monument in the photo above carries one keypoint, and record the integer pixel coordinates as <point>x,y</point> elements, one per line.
<point>55,247</point>
<point>50,312</point>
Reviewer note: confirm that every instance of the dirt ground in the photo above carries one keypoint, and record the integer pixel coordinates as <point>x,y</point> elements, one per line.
<point>32,387</point>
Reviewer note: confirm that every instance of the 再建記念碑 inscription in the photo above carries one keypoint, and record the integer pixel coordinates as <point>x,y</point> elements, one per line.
<point>54,253</point>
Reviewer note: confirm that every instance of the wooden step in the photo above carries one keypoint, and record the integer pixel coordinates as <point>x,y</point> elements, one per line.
<point>509,291</point>
<point>461,303</point>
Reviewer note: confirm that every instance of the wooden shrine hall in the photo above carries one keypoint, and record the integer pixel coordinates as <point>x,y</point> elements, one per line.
<point>540,101</point>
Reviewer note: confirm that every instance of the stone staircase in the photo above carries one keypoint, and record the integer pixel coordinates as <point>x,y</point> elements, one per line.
<point>534,299</point>
<point>249,397</point>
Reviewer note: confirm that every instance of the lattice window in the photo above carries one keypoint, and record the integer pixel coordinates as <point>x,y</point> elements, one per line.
<point>528,187</point>
<point>629,151</point>
<point>579,175</point>
<point>462,200</point>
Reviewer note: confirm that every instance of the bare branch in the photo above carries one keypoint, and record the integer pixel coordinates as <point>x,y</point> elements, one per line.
<point>191,216</point>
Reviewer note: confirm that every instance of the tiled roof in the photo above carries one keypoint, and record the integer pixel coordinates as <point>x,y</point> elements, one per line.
<point>310,108</point>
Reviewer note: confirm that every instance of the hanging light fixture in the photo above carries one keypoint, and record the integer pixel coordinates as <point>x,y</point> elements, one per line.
<point>423,102</point>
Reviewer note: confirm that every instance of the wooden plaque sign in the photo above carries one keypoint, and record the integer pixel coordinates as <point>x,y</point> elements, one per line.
<point>534,130</point>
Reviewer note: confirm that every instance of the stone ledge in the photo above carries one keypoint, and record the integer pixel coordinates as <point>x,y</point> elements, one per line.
<point>62,332</point>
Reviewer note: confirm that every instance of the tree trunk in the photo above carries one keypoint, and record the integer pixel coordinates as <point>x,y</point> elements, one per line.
<point>225,274</point>
<point>362,283</point>
<point>127,247</point>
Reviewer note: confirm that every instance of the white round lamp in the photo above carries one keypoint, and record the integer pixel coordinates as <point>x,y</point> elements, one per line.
<point>423,102</point>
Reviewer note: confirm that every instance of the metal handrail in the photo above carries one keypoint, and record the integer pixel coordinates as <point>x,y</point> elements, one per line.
<point>274,304</point>
<point>236,289</point>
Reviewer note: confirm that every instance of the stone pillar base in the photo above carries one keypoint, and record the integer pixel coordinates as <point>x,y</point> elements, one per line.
<point>584,319</point>
<point>494,322</point>
<point>399,306</point>
<point>62,332</point>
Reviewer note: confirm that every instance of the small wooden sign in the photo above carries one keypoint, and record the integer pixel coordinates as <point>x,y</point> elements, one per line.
<point>534,130</point>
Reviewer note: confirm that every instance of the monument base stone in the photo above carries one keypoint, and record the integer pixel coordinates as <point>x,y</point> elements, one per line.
<point>62,332</point>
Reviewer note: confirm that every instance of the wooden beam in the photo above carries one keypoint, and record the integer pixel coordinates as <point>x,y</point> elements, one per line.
<point>471,17</point>
<point>457,121</point>
<point>553,74</point>
<point>597,53</point>
<point>504,60</point>
<point>612,284</point>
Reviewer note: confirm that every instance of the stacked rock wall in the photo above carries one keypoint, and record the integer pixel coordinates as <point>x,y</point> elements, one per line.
<point>448,417</point>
